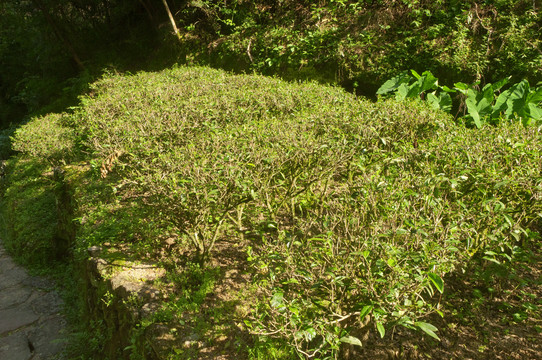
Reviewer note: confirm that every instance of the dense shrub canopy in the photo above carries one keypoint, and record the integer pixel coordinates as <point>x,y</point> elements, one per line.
<point>346,207</point>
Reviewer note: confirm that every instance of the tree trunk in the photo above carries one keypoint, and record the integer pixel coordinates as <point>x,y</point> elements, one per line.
<point>148,10</point>
<point>172,19</point>
<point>59,33</point>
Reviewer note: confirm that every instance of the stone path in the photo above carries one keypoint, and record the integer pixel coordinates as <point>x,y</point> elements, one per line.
<point>30,324</point>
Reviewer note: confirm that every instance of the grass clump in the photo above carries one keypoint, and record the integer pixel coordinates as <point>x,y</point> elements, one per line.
<point>350,213</point>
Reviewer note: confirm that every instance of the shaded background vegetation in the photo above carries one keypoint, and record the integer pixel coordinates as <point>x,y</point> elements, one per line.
<point>50,50</point>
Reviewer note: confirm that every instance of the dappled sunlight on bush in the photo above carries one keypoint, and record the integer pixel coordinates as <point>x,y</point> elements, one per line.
<point>351,213</point>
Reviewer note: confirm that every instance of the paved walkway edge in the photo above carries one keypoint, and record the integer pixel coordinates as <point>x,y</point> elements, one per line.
<point>31,326</point>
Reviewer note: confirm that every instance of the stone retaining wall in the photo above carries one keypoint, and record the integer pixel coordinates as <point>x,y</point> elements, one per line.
<point>119,292</point>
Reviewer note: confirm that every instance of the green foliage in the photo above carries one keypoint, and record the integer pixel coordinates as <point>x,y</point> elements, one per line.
<point>47,138</point>
<point>362,43</point>
<point>406,86</point>
<point>355,43</point>
<point>353,212</point>
<point>28,213</point>
<point>5,142</point>
<point>39,42</point>
<point>486,105</point>
<point>32,64</point>
<point>522,101</point>
<point>194,284</point>
<point>334,212</point>
<point>479,103</point>
<point>393,218</point>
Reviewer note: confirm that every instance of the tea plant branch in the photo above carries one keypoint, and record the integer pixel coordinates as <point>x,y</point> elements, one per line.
<point>314,353</point>
<point>239,220</point>
<point>534,46</point>
<point>342,317</point>
<point>221,220</point>
<point>322,197</point>
<point>265,333</point>
<point>287,194</point>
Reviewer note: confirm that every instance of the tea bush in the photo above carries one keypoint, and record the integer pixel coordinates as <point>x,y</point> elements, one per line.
<point>27,185</point>
<point>47,137</point>
<point>352,212</point>
<point>28,212</point>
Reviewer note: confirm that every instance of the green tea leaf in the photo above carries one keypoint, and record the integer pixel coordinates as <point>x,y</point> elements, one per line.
<point>437,281</point>
<point>381,329</point>
<point>277,299</point>
<point>391,262</point>
<point>365,311</point>
<point>427,328</point>
<point>309,333</point>
<point>351,340</point>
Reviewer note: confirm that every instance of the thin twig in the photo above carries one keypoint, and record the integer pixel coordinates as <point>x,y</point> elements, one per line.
<point>343,317</point>
<point>266,334</point>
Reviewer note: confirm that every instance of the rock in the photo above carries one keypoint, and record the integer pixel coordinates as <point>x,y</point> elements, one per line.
<point>15,347</point>
<point>6,264</point>
<point>120,293</point>
<point>13,296</point>
<point>12,277</point>
<point>46,338</point>
<point>15,318</point>
<point>30,327</point>
<point>47,304</point>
